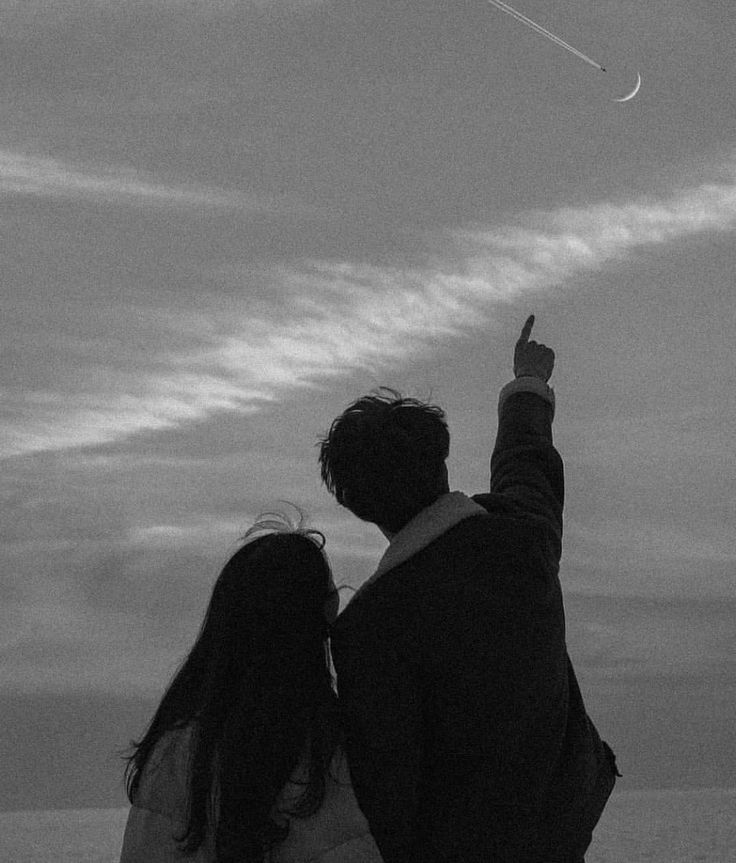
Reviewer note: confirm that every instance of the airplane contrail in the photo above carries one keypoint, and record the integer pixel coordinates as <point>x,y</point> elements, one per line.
<point>541,30</point>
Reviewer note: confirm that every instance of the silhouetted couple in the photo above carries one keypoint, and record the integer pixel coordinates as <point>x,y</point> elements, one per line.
<point>459,733</point>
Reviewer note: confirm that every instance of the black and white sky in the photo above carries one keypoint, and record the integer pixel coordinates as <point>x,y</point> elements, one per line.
<point>223,221</point>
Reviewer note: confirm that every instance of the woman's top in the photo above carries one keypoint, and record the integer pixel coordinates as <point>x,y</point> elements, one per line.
<point>337,833</point>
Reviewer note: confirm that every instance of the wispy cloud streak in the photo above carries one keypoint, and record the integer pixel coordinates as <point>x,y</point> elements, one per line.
<point>554,246</point>
<point>23,174</point>
<point>343,317</point>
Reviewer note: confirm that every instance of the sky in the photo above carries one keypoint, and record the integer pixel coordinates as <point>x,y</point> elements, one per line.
<point>221,222</point>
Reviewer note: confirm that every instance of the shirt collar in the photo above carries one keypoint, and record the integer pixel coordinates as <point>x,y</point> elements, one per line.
<point>424,528</point>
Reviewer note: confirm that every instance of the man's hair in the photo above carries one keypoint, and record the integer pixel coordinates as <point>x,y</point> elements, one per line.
<point>383,457</point>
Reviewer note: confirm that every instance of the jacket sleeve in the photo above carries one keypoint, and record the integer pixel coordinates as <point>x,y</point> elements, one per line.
<point>527,475</point>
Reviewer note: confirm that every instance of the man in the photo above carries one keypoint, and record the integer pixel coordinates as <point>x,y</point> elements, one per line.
<point>468,738</point>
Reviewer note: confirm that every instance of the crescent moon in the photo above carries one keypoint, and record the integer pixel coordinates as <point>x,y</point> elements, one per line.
<point>633,92</point>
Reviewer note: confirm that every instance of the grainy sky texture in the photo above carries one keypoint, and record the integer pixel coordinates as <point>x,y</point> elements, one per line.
<point>223,221</point>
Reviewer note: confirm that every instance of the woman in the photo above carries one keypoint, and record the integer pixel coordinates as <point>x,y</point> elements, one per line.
<point>243,759</point>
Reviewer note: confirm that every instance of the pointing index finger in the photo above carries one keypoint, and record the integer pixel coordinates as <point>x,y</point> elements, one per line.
<point>527,329</point>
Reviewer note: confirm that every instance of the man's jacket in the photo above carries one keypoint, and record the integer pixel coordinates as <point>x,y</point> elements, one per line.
<point>468,736</point>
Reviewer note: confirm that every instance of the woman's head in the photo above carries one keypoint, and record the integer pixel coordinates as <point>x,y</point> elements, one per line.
<point>256,688</point>
<point>269,602</point>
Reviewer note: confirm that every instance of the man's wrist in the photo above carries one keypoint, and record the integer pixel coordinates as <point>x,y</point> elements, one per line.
<point>527,384</point>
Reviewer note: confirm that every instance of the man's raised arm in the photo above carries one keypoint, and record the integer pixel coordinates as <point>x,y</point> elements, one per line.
<point>526,469</point>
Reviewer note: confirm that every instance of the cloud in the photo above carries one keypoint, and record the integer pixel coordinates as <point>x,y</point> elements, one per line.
<point>57,421</point>
<point>647,539</point>
<point>676,637</point>
<point>108,560</point>
<point>341,316</point>
<point>24,174</point>
<point>562,243</point>
<point>58,648</point>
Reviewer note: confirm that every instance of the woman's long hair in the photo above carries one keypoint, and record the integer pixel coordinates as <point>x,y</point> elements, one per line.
<point>256,692</point>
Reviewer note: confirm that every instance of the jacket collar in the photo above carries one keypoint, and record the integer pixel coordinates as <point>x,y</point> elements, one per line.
<point>424,528</point>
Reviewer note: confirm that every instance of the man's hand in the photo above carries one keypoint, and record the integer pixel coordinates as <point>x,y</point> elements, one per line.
<point>530,358</point>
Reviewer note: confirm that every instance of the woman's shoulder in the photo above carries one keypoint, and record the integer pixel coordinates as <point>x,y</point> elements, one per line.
<point>339,823</point>
<point>338,783</point>
<point>158,811</point>
<point>163,783</point>
<point>362,849</point>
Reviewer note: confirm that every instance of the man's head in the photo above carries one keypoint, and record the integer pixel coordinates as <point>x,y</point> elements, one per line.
<point>384,458</point>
